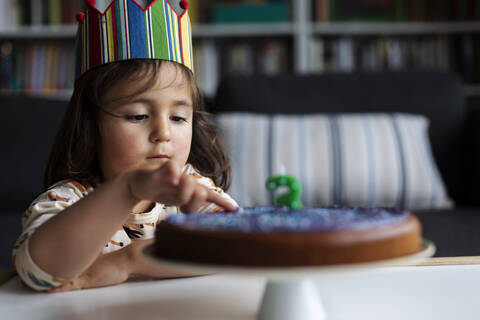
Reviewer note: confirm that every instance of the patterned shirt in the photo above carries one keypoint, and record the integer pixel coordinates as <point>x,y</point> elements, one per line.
<point>137,226</point>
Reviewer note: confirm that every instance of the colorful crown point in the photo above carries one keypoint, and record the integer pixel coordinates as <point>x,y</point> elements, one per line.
<point>184,4</point>
<point>117,33</point>
<point>291,199</point>
<point>80,16</point>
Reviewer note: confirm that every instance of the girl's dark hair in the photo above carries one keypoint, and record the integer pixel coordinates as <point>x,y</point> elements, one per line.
<point>74,152</point>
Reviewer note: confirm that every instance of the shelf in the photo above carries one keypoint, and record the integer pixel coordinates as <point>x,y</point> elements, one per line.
<point>470,90</point>
<point>394,28</point>
<point>63,95</point>
<point>40,32</point>
<point>270,29</point>
<point>242,30</point>
<point>199,31</point>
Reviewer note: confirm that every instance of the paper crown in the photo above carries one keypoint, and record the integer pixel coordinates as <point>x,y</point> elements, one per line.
<point>116,30</point>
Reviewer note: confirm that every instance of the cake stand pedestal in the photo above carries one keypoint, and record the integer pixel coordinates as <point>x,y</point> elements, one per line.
<point>289,293</point>
<point>288,300</point>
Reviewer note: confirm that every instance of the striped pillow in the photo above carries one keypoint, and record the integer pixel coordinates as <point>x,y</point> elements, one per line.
<point>347,159</point>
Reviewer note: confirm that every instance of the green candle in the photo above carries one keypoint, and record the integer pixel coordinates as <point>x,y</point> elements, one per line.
<point>291,198</point>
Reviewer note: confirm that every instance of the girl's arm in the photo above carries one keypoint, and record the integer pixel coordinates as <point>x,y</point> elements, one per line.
<point>140,264</point>
<point>67,244</point>
<point>116,267</point>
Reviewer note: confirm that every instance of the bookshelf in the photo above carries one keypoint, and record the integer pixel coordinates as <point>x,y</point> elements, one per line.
<point>394,28</point>
<point>39,32</point>
<point>301,44</point>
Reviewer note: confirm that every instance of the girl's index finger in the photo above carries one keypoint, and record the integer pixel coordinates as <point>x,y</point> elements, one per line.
<point>220,201</point>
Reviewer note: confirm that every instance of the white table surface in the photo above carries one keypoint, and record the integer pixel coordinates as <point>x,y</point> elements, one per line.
<point>414,292</point>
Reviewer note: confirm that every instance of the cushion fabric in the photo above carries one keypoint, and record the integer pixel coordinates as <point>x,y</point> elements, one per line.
<point>348,159</point>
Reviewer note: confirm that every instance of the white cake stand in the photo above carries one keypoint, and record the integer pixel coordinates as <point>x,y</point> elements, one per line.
<point>289,294</point>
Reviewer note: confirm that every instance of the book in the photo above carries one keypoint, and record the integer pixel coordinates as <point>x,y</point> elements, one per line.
<point>272,58</point>
<point>3,15</point>
<point>6,65</point>
<point>321,10</point>
<point>206,65</point>
<point>437,10</point>
<point>271,11</point>
<point>346,54</point>
<point>395,55</point>
<point>468,58</point>
<point>367,10</point>
<point>55,11</point>
<point>317,55</point>
<point>36,14</point>
<point>240,59</point>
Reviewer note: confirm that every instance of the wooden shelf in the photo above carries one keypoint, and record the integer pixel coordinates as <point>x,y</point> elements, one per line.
<point>270,29</point>
<point>199,31</point>
<point>40,32</point>
<point>242,30</point>
<point>471,90</point>
<point>63,95</point>
<point>394,28</point>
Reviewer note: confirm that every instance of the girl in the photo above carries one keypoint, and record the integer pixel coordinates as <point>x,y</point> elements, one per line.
<point>133,148</point>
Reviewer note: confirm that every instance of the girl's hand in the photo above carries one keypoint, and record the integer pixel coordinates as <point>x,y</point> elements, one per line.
<point>143,265</point>
<point>108,270</point>
<point>169,186</point>
<point>116,267</point>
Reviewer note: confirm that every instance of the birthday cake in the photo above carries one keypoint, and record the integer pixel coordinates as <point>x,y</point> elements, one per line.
<point>276,236</point>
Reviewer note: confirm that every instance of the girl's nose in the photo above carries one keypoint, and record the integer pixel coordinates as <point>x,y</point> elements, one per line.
<point>161,131</point>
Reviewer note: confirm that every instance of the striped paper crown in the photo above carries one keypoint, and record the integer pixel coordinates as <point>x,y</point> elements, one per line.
<point>116,30</point>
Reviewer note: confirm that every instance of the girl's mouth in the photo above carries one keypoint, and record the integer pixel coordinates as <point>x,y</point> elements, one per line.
<point>159,156</point>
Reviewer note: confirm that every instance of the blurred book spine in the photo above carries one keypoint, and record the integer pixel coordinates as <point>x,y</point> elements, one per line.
<point>212,60</point>
<point>40,69</point>
<point>250,11</point>
<point>395,10</point>
<point>6,65</point>
<point>347,54</point>
<point>14,13</point>
<point>367,10</point>
<point>321,10</point>
<point>206,66</point>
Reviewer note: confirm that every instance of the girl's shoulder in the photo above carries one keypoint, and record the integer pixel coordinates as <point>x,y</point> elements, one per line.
<point>72,187</point>
<point>56,198</point>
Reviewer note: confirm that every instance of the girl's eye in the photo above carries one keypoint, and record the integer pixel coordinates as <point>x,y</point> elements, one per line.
<point>136,117</point>
<point>178,119</point>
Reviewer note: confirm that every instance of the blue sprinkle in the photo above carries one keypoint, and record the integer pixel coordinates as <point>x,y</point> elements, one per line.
<point>278,218</point>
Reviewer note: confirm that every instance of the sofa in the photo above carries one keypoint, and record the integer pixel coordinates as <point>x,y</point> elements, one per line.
<point>29,126</point>
<point>453,132</point>
<point>26,136</point>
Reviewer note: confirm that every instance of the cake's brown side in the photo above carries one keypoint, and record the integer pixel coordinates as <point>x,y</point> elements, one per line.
<point>288,249</point>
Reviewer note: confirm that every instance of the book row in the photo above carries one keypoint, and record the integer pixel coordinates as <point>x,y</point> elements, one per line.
<point>44,68</point>
<point>395,10</point>
<point>38,12</point>
<point>50,12</point>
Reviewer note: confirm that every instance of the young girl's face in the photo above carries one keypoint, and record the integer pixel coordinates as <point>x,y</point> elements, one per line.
<point>149,128</point>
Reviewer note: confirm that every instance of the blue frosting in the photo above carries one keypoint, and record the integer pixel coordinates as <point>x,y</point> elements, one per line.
<point>270,218</point>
